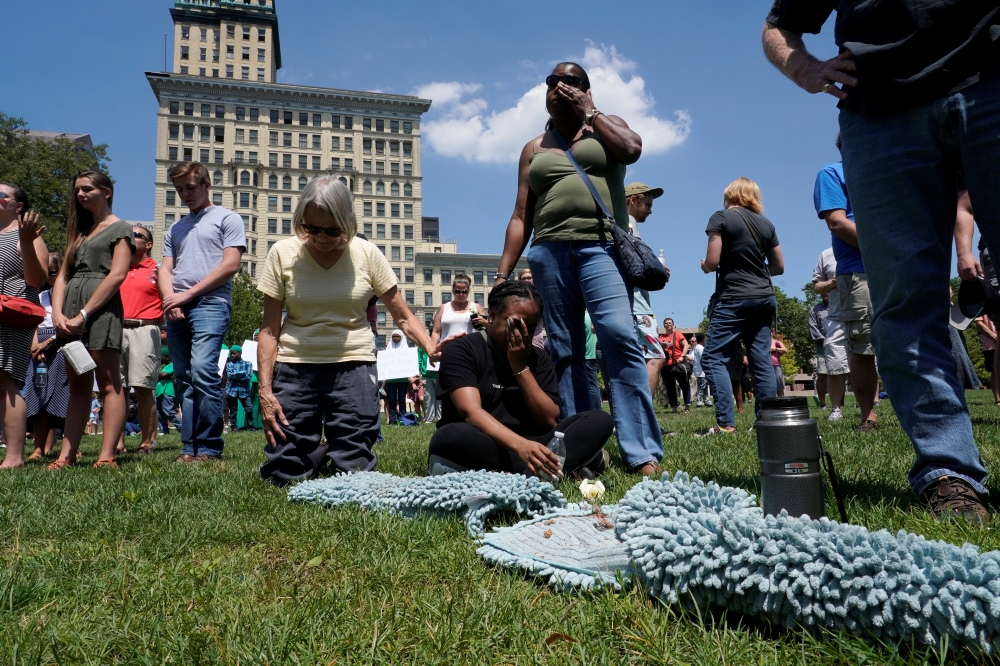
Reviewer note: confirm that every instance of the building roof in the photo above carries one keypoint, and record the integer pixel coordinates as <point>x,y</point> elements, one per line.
<point>170,83</point>
<point>82,139</point>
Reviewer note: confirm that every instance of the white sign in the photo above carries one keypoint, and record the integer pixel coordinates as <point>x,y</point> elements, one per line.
<point>397,363</point>
<point>250,352</point>
<point>223,359</point>
<point>433,367</point>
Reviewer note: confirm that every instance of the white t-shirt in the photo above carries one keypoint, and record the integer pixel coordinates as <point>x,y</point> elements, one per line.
<point>697,352</point>
<point>45,300</point>
<point>826,269</point>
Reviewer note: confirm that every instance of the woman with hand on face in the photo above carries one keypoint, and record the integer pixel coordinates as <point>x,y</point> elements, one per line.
<point>456,317</point>
<point>321,379</point>
<point>23,260</point>
<point>87,306</point>
<point>573,259</point>
<point>501,402</point>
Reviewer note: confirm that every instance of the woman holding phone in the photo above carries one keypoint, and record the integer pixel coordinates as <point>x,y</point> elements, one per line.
<point>501,400</point>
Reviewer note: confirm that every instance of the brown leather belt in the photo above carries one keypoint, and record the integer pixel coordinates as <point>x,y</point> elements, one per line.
<point>136,323</point>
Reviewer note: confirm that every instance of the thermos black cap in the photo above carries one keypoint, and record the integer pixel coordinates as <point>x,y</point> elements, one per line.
<point>784,403</point>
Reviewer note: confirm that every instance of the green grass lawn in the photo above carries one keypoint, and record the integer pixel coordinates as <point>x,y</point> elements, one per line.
<point>161,563</point>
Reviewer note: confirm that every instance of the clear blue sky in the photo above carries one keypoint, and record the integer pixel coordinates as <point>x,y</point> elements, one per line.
<point>78,67</point>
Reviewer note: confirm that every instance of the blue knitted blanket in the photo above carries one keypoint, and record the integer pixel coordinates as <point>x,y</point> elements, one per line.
<point>691,543</point>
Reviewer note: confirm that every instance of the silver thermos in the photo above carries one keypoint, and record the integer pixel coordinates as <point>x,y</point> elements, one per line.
<point>789,448</point>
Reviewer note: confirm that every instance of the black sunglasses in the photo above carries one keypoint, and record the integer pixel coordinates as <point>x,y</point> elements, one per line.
<point>142,236</point>
<point>553,79</point>
<point>332,232</point>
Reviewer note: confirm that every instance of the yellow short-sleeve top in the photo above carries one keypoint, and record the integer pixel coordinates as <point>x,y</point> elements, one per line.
<point>326,320</point>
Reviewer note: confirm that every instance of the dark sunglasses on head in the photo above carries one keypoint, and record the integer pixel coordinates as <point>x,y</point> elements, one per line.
<point>142,236</point>
<point>332,232</point>
<point>552,79</point>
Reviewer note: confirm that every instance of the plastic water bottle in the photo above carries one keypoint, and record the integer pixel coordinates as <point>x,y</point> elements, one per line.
<point>662,258</point>
<point>41,375</point>
<point>558,447</point>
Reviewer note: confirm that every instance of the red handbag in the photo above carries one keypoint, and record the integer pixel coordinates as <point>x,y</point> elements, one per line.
<point>20,312</point>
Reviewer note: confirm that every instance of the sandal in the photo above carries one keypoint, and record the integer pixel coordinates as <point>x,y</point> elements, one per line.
<point>106,463</point>
<point>61,464</point>
<point>719,430</point>
<point>144,451</point>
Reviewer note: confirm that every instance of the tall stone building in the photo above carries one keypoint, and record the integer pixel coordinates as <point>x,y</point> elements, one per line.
<point>263,141</point>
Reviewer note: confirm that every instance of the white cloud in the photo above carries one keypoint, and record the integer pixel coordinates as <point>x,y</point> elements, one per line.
<point>465,129</point>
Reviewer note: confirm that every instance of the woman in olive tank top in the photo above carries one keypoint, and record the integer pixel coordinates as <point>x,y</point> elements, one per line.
<point>572,257</point>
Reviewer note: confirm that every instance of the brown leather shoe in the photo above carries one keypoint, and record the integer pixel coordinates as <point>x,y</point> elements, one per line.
<point>184,458</point>
<point>867,426</point>
<point>950,497</point>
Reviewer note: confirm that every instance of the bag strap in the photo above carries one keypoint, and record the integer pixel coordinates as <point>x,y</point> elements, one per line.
<point>583,174</point>
<point>753,233</point>
<point>834,480</point>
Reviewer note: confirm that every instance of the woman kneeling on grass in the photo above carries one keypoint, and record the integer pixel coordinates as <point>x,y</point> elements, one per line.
<point>501,407</point>
<point>322,378</point>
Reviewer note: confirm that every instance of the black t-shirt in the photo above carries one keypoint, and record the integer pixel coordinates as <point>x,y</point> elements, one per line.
<point>908,52</point>
<point>471,361</point>
<point>742,267</point>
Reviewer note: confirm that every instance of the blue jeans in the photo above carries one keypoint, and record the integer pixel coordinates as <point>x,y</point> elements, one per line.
<point>748,320</point>
<point>577,275</point>
<point>166,414</point>
<point>900,172</point>
<point>195,343</point>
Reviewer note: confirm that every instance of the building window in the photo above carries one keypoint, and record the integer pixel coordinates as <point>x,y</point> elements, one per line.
<point>286,227</point>
<point>348,164</point>
<point>368,230</point>
<point>379,231</point>
<point>287,116</point>
<point>477,277</point>
<point>261,34</point>
<point>394,147</point>
<point>478,300</point>
<point>303,140</point>
<point>286,203</point>
<point>379,125</point>
<point>286,161</point>
<point>335,163</point>
<point>230,51</point>
<point>260,55</point>
<point>394,231</point>
<point>184,53</point>
<point>394,126</point>
<point>203,56</point>
<point>315,161</point>
<point>260,74</point>
<point>367,124</point>
<point>407,149</point>
<point>244,178</point>
<point>380,147</point>
<point>381,248</point>
<point>286,139</point>
<point>428,299</point>
<point>175,108</point>
<point>168,220</point>
<point>272,227</point>
<point>241,114</point>
<point>286,183</point>
<point>215,58</point>
<point>203,155</point>
<point>317,120</point>
<point>244,202</point>
<point>272,182</point>
<point>394,168</point>
<point>335,122</point>
<point>272,139</point>
<point>272,202</point>
<point>187,155</point>
<point>348,122</point>
<point>220,111</point>
<point>407,169</point>
<point>407,190</point>
<point>445,276</point>
<point>253,137</point>
<point>171,198</point>
<point>379,209</point>
<point>367,187</point>
<point>380,167</point>
<point>229,71</point>
<point>274,116</point>
<point>408,211</point>
<point>395,270</point>
<point>348,143</point>
<point>174,129</point>
<point>367,208</point>
<point>254,115</point>
<point>220,134</point>
<point>366,146</point>
<point>231,31</point>
<point>367,166</point>
<point>270,244</point>
<point>317,141</point>
<point>407,127</point>
<point>217,198</point>
<point>201,71</point>
<point>204,35</point>
<point>239,135</point>
<point>408,254</point>
<point>303,181</point>
<point>303,118</point>
<point>218,157</point>
<point>217,178</point>
<point>205,133</point>
<point>185,32</point>
<point>380,188</point>
<point>394,191</point>
<point>302,161</point>
<point>445,297</point>
<point>409,296</point>
<point>335,143</point>
<point>246,32</point>
<point>428,275</point>
<point>245,73</point>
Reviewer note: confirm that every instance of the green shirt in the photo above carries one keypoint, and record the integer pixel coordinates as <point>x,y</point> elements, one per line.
<point>565,209</point>
<point>166,386</point>
<point>591,354</point>
<point>422,359</point>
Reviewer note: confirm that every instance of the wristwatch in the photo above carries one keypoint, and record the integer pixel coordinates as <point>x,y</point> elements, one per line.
<point>592,114</point>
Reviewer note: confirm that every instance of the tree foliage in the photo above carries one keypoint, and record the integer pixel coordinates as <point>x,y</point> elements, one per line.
<point>793,324</point>
<point>248,310</point>
<point>44,169</point>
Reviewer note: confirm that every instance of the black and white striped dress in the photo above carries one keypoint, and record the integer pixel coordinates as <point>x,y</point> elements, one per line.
<point>15,343</point>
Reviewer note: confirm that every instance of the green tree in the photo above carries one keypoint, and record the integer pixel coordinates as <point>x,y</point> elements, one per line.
<point>44,169</point>
<point>248,309</point>
<point>793,324</point>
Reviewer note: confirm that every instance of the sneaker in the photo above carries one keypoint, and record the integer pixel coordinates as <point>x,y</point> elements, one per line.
<point>595,466</point>
<point>867,426</point>
<point>951,497</point>
<point>822,408</point>
<point>687,409</point>
<point>835,415</point>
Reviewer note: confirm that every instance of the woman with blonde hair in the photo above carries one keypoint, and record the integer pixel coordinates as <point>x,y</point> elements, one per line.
<point>87,306</point>
<point>318,389</point>
<point>743,251</point>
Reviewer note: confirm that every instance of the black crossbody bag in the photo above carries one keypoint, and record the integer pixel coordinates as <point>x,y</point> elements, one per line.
<point>636,261</point>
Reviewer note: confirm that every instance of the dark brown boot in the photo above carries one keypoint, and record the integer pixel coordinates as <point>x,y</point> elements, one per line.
<point>950,497</point>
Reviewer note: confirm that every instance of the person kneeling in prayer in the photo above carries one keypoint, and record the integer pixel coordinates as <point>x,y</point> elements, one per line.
<point>500,406</point>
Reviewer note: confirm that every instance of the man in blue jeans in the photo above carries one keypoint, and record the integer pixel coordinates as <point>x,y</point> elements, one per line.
<point>201,254</point>
<point>919,102</point>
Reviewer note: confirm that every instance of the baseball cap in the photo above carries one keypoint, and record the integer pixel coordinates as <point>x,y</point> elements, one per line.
<point>969,304</point>
<point>236,348</point>
<point>643,188</point>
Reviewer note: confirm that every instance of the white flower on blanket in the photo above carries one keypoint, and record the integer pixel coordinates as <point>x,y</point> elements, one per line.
<point>591,489</point>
